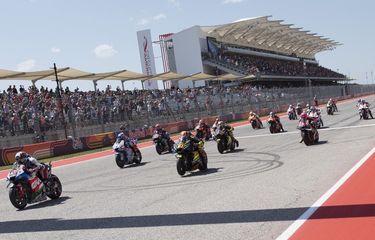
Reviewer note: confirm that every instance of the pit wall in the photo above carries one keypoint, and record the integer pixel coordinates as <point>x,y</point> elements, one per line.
<point>68,146</point>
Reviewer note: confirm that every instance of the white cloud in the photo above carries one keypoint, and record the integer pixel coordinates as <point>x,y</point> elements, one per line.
<point>104,51</point>
<point>174,3</point>
<point>159,17</point>
<point>232,1</point>
<point>146,21</point>
<point>55,50</point>
<point>143,21</point>
<point>26,66</point>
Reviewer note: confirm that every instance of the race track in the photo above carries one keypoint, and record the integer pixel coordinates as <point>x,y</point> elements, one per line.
<point>255,192</point>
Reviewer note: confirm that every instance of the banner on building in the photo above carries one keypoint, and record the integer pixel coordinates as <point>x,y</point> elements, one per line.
<point>146,54</point>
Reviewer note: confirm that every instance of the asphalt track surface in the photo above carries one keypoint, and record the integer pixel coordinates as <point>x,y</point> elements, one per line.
<point>256,192</point>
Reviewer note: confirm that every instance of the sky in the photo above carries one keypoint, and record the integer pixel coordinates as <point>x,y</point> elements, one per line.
<point>100,35</point>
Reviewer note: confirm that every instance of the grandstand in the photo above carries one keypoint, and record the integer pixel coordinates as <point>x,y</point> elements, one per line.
<point>267,49</point>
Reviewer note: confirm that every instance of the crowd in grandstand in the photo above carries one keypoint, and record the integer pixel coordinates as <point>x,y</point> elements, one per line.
<point>33,110</point>
<point>268,66</point>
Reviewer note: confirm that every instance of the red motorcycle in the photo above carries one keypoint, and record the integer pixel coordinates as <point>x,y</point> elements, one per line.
<point>26,187</point>
<point>274,125</point>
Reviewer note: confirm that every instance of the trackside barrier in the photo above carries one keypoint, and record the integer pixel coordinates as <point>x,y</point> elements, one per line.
<point>68,146</point>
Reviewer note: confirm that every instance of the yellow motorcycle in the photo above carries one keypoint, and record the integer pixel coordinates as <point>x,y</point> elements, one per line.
<point>183,153</point>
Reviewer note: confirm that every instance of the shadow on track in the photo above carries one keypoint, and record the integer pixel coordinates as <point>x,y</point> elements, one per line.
<point>244,216</point>
<point>47,203</point>
<point>320,143</point>
<point>201,173</point>
<point>135,165</point>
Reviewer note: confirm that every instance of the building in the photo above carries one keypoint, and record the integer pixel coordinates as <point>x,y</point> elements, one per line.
<point>269,50</point>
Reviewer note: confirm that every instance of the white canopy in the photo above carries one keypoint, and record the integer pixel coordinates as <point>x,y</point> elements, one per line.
<point>271,35</point>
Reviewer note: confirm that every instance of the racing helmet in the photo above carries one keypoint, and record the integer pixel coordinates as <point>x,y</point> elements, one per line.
<point>21,157</point>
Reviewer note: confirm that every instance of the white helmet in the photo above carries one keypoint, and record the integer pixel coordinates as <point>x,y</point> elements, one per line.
<point>21,157</point>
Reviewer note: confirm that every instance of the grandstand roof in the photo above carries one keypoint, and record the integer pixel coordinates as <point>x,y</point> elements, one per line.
<point>271,35</point>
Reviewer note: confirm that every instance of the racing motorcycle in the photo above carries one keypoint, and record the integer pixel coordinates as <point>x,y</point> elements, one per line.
<point>126,155</point>
<point>203,133</point>
<point>162,144</point>
<point>255,123</point>
<point>26,188</point>
<point>329,109</point>
<point>363,112</point>
<point>274,125</point>
<point>183,153</point>
<point>317,119</point>
<point>309,136</point>
<point>224,142</point>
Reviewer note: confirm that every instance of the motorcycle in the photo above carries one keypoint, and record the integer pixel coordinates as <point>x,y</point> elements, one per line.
<point>203,133</point>
<point>317,119</point>
<point>126,155</point>
<point>309,136</point>
<point>329,109</point>
<point>255,123</point>
<point>292,115</point>
<point>26,188</point>
<point>364,112</point>
<point>274,125</point>
<point>224,142</point>
<point>162,144</point>
<point>183,154</point>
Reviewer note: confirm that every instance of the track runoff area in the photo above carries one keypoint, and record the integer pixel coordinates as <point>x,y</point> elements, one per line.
<point>272,187</point>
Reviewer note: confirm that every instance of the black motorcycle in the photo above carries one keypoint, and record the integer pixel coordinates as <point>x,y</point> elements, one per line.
<point>329,109</point>
<point>162,144</point>
<point>187,160</point>
<point>225,142</point>
<point>309,136</point>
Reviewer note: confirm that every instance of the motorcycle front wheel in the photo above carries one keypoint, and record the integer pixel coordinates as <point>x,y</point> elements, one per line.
<point>220,147</point>
<point>120,163</point>
<point>159,148</point>
<point>138,156</point>
<point>181,167</point>
<point>16,200</point>
<point>55,188</point>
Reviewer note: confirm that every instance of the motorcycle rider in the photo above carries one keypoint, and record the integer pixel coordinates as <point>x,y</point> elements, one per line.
<point>31,165</point>
<point>204,126</point>
<point>277,118</point>
<point>229,130</point>
<point>306,120</point>
<point>186,136</point>
<point>362,103</point>
<point>292,109</point>
<point>332,103</point>
<point>253,115</point>
<point>315,113</point>
<point>164,134</point>
<point>127,146</point>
